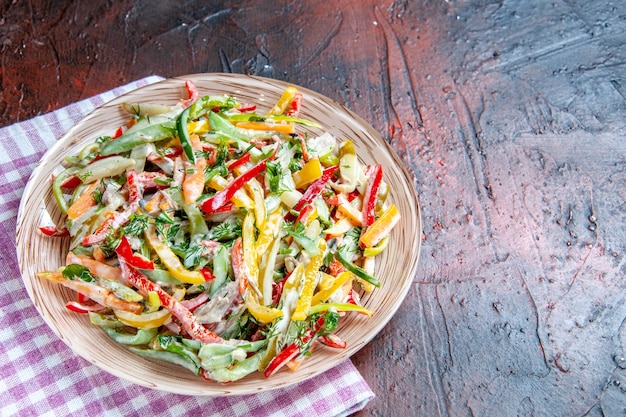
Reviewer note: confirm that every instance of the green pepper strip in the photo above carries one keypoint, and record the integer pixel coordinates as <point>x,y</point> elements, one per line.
<point>143,336</point>
<point>57,185</point>
<point>359,272</point>
<point>171,357</point>
<point>183,135</point>
<point>150,133</point>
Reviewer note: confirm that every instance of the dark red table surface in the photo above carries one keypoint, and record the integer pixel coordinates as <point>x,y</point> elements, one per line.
<point>510,115</point>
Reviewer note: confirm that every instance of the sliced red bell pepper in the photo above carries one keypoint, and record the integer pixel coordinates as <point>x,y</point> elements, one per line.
<point>311,193</point>
<point>124,251</point>
<point>281,359</point>
<point>238,162</point>
<point>333,341</point>
<point>293,350</point>
<point>81,308</point>
<point>207,274</point>
<point>295,106</point>
<point>53,231</point>
<point>246,108</point>
<point>188,321</point>
<point>213,203</point>
<point>192,93</point>
<point>119,132</point>
<point>371,195</point>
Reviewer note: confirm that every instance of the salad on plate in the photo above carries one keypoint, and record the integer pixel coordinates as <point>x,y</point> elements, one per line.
<point>219,237</point>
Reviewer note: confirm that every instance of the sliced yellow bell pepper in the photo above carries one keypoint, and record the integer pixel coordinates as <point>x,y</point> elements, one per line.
<point>311,171</point>
<point>349,210</point>
<point>249,253</point>
<point>310,282</point>
<point>170,260</point>
<point>198,126</point>
<point>284,101</point>
<point>340,280</point>
<point>381,227</point>
<point>261,313</point>
<point>269,231</point>
<point>144,321</point>
<point>255,189</point>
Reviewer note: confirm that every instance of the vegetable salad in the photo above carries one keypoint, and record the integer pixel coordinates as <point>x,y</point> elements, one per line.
<point>218,237</point>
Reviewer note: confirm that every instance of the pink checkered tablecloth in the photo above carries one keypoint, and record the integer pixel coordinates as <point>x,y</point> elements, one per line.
<point>41,376</point>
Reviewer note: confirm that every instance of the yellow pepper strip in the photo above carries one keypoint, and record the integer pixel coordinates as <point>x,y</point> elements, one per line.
<point>326,281</point>
<point>286,128</point>
<point>311,171</point>
<point>198,126</point>
<point>249,252</point>
<point>154,302</point>
<point>84,202</point>
<point>284,101</point>
<point>170,260</point>
<point>349,210</point>
<point>267,266</point>
<point>310,282</point>
<point>153,206</point>
<point>144,321</point>
<point>340,280</point>
<point>381,227</point>
<point>269,231</point>
<point>193,183</point>
<point>255,189</point>
<point>261,313</point>
<point>376,250</point>
<point>340,227</point>
<point>240,199</point>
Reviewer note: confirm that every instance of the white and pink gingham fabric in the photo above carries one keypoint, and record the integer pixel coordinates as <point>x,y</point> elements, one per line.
<point>41,376</point>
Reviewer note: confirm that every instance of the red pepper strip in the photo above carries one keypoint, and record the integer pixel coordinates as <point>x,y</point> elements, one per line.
<point>277,289</point>
<point>207,274</point>
<point>331,340</point>
<point>77,307</point>
<point>293,350</point>
<point>53,231</point>
<point>240,271</point>
<point>192,93</point>
<point>305,151</point>
<point>295,105</point>
<point>188,321</point>
<point>125,252</point>
<point>72,182</point>
<point>197,301</point>
<point>100,234</point>
<point>311,193</point>
<point>304,214</point>
<point>119,218</point>
<point>223,196</point>
<point>117,133</point>
<point>281,359</point>
<point>244,159</point>
<point>371,195</point>
<point>244,108</point>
